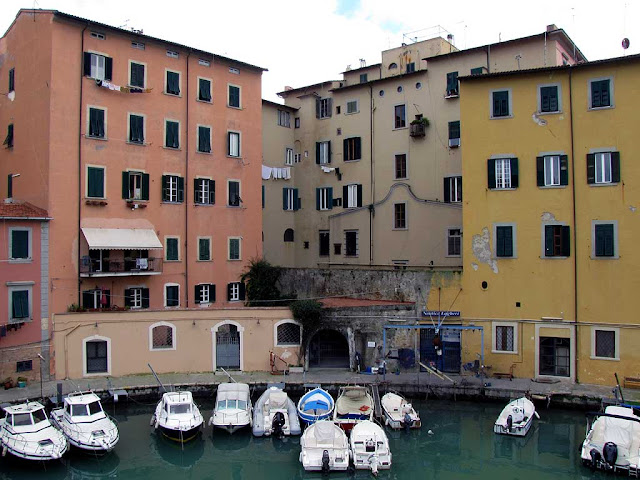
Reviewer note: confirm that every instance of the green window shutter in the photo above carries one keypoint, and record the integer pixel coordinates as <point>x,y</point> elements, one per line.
<point>548,240</point>
<point>145,186</point>
<point>504,241</point>
<point>514,172</point>
<point>491,173</point>
<point>591,168</point>
<point>196,185</point>
<point>454,129</point>
<point>165,188</point>
<point>20,244</point>
<point>87,64</point>
<point>180,189</point>
<point>566,241</point>
<point>285,194</point>
<point>125,185</point>
<point>108,68</point>
<point>605,93</point>
<point>564,170</point>
<point>501,104</point>
<point>136,129</point>
<point>329,151</point>
<point>345,196</point>
<point>234,96</point>
<point>345,149</point>
<point>20,303</point>
<point>318,191</point>
<point>145,297</point>
<point>96,122</point>
<point>447,189</point>
<point>604,240</point>
<point>549,99</point>
<point>172,135</point>
<point>172,249</point>
<point>358,148</point>
<point>212,293</point>
<point>452,83</point>
<point>615,167</point>
<point>329,107</point>
<point>297,202</point>
<point>173,83</point>
<point>204,143</point>
<point>317,153</point>
<point>197,293</point>
<point>95,182</point>
<point>204,90</point>
<point>477,71</point>
<point>540,171</point>
<point>128,292</point>
<point>229,287</point>
<point>212,192</point>
<point>203,249</point>
<point>359,195</point>
<point>243,291</point>
<point>330,198</point>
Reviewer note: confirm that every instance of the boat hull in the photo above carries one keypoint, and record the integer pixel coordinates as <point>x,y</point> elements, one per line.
<point>516,418</point>
<point>316,404</point>
<point>31,456</point>
<point>180,435</point>
<point>230,427</point>
<point>516,431</point>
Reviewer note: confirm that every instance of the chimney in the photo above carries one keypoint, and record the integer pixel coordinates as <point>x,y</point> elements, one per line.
<point>551,28</point>
<point>450,38</point>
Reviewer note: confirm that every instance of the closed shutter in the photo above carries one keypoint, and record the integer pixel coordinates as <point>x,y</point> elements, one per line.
<point>87,64</point>
<point>128,294</point>
<point>566,241</point>
<point>145,186</point>
<point>203,249</point>
<point>540,171</point>
<point>359,204</point>
<point>108,68</point>
<point>548,240</point>
<point>125,185</point>
<point>500,104</point>
<point>564,170</point>
<point>615,167</point>
<point>514,172</point>
<point>95,182</point>
<point>87,299</point>
<point>180,189</point>
<point>172,249</point>
<point>212,192</point>
<point>491,173</point>
<point>549,99</point>
<point>198,293</point>
<point>591,168</point>
<point>504,241</point>
<point>447,190</point>
<point>145,297</point>
<point>454,130</point>
<point>604,240</point>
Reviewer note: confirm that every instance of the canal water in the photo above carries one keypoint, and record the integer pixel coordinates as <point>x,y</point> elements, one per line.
<point>456,442</point>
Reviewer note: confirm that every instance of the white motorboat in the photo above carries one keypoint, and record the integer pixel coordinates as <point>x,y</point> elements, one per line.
<point>354,404</point>
<point>399,413</point>
<point>613,441</point>
<point>275,414</point>
<point>85,424</point>
<point>233,407</point>
<point>324,447</point>
<point>370,447</point>
<point>516,418</point>
<point>316,404</point>
<point>26,432</point>
<point>177,416</point>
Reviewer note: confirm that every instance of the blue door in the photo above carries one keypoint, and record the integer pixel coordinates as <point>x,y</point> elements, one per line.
<point>228,347</point>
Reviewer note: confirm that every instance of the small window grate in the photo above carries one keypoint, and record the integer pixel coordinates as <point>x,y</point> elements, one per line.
<point>99,36</point>
<point>289,334</point>
<point>172,54</point>
<point>605,343</point>
<point>163,337</point>
<point>138,45</point>
<point>204,63</point>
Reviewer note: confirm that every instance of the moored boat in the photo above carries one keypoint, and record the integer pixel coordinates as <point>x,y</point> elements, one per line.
<point>370,447</point>
<point>399,413</point>
<point>177,416</point>
<point>275,414</point>
<point>316,404</point>
<point>324,447</point>
<point>233,407</point>
<point>26,432</point>
<point>516,418</point>
<point>85,424</point>
<point>354,404</point>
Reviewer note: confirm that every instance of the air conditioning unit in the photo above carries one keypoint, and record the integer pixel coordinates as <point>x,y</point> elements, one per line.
<point>454,142</point>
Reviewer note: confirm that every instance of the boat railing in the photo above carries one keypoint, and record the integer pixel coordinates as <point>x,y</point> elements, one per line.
<point>192,422</point>
<point>79,433</point>
<point>17,441</point>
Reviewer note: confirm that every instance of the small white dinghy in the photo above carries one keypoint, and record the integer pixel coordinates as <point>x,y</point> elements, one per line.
<point>275,414</point>
<point>325,448</point>
<point>26,432</point>
<point>516,418</point>
<point>177,416</point>
<point>233,407</point>
<point>399,413</point>
<point>85,424</point>
<point>370,447</point>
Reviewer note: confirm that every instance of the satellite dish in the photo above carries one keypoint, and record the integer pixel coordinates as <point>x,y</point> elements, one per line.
<point>625,43</point>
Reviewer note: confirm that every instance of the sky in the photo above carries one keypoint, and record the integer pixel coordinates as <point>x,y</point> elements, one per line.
<point>302,42</point>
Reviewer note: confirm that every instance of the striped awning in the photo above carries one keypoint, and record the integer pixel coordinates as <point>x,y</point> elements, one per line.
<point>121,238</point>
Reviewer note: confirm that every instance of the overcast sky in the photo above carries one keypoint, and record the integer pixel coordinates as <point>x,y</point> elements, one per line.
<point>302,42</point>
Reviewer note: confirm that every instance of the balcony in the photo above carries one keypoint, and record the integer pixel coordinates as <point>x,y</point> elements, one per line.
<point>106,263</point>
<point>417,129</point>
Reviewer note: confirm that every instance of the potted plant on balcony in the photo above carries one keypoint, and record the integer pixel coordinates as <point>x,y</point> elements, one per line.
<point>418,126</point>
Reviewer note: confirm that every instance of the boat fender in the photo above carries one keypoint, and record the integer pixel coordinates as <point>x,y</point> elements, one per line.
<point>277,424</point>
<point>325,462</point>
<point>509,422</point>
<point>407,422</point>
<point>595,458</point>
<point>373,463</point>
<point>153,420</point>
<point>4,451</point>
<point>610,453</point>
<point>536,414</point>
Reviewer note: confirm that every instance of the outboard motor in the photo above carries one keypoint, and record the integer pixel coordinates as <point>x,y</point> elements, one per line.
<point>277,424</point>
<point>509,422</point>
<point>406,422</point>
<point>610,454</point>
<point>325,462</point>
<point>595,458</point>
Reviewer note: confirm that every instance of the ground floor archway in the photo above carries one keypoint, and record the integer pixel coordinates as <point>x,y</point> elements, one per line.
<point>328,349</point>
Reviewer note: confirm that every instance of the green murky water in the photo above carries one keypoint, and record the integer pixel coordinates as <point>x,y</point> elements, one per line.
<point>461,445</point>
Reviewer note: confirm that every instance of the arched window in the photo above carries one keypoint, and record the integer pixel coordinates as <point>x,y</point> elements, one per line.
<point>288,235</point>
<point>162,336</point>
<point>96,352</point>
<point>393,65</point>
<point>288,333</point>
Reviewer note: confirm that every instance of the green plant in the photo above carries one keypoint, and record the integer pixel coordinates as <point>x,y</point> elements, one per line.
<point>420,121</point>
<point>309,314</point>
<point>261,279</point>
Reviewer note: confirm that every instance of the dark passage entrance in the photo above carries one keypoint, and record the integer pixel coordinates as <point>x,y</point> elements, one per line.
<point>328,349</point>
<point>451,351</point>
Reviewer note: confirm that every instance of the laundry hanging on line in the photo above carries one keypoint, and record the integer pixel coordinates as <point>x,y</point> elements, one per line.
<point>118,88</point>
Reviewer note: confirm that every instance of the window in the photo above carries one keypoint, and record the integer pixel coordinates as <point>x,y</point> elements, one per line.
<point>162,336</point>
<point>171,295</point>
<point>172,189</point>
<point>235,291</point>
<point>233,70</point>
<point>603,167</point>
<point>96,298</point>
<point>323,107</point>
<point>288,235</point>
<point>324,243</point>
<point>552,170</point>
<point>19,244</point>
<point>136,77</point>
<point>323,152</point>
<point>204,139</point>
<point>288,334</point>
<point>136,128</point>
<point>136,297</point>
<point>605,343</point>
<point>452,189</point>
<point>363,78</point>
<point>172,54</point>
<point>96,354</point>
<point>284,119</point>
<point>604,239</point>
<point>454,237</point>
<point>504,337</point>
<point>290,199</point>
<point>233,144</point>
<point>234,96</point>
<point>556,241</point>
<point>173,83</point>
<point>454,134</point>
<point>204,191</point>
<point>135,186</point>
<point>400,166</point>
<point>411,67</point>
<point>288,156</point>
<point>351,243</point>
<point>400,116</point>
<point>297,158</point>
<point>400,215</point>
<point>337,249</point>
<point>97,66</point>
<point>138,45</point>
<point>95,182</point>
<point>352,196</point>
<point>12,80</point>
<point>505,241</point>
<point>477,70</point>
<point>549,99</point>
<point>24,366</point>
<point>500,103</point>
<point>205,293</point>
<point>96,123</point>
<point>554,356</point>
<point>296,122</point>
<point>204,249</point>
<point>502,173</point>
<point>352,150</point>
<point>204,63</point>
<point>172,249</point>
<point>393,66</point>
<point>324,198</point>
<point>352,107</point>
<point>204,90</point>
<point>600,93</point>
<point>452,84</point>
<point>8,141</point>
<point>20,304</point>
<point>234,193</point>
<point>172,134</point>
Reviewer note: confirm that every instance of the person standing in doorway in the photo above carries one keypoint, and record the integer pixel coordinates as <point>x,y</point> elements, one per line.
<point>437,344</point>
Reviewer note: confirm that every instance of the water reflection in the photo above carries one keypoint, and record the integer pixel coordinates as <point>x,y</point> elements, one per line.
<point>85,467</point>
<point>174,453</point>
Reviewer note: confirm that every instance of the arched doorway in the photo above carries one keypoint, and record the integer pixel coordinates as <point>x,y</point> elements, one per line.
<point>328,349</point>
<point>227,339</point>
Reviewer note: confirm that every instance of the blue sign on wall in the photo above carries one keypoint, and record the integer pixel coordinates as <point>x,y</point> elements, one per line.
<point>440,313</point>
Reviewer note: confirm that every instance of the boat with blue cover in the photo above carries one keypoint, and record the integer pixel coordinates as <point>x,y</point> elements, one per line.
<point>316,404</point>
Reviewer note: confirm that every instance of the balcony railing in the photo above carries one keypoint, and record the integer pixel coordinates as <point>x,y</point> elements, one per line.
<point>127,267</point>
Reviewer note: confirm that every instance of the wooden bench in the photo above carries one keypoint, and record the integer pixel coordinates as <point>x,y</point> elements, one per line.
<point>508,374</point>
<point>631,382</point>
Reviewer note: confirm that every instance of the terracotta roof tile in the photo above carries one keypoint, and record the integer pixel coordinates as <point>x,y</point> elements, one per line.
<point>21,210</point>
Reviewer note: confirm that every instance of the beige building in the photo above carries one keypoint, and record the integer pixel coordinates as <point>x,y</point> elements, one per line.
<point>373,173</point>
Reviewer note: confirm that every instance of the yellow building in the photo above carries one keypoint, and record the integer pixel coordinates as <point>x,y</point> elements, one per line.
<point>551,194</point>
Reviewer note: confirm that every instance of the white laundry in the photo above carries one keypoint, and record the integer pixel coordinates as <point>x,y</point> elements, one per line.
<point>266,172</point>
<point>327,169</point>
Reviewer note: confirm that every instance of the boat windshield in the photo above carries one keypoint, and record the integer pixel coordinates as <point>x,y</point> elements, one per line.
<point>21,419</point>
<point>242,404</point>
<point>79,410</point>
<point>180,408</point>
<point>39,416</point>
<point>94,407</point>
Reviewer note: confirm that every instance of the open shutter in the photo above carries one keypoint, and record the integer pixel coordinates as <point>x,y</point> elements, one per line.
<point>198,294</point>
<point>318,153</point>
<point>345,196</point>
<point>229,287</point>
<point>615,167</point>
<point>564,170</point>
<point>591,168</point>
<point>195,189</point>
<point>127,297</point>
<point>358,148</point>
<point>447,190</point>
<point>507,239</point>
<point>540,171</point>
<point>566,241</point>
<point>87,299</point>
<point>330,198</point>
<point>491,173</point>
<point>108,68</point>
<point>514,172</point>
<point>145,186</point>
<point>180,189</point>
<point>87,64</point>
<point>317,108</point>
<point>317,199</point>
<point>297,202</point>
<point>165,188</point>
<point>329,151</point>
<point>145,297</point>
<point>329,106</point>
<point>212,192</point>
<point>285,194</point>
<point>125,185</point>
<point>359,204</point>
<point>212,293</point>
<point>548,240</point>
<point>242,291</point>
<point>345,150</point>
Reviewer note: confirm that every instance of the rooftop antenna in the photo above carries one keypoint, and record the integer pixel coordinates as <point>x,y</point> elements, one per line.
<point>363,63</point>
<point>126,22</point>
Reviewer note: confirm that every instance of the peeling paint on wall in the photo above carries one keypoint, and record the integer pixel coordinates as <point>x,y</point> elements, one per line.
<point>474,266</point>
<point>481,247</point>
<point>632,208</point>
<point>540,121</point>
<point>548,217</point>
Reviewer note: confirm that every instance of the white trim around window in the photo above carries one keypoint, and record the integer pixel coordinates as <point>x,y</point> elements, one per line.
<point>29,246</point>
<point>165,82</point>
<point>17,287</point>
<point>229,240</point>
<point>104,181</point>
<point>164,294</point>
<point>513,325</point>
<point>146,71</point>
<point>275,333</point>
<point>173,337</point>
<point>144,128</point>
<point>454,232</point>
<point>616,331</point>
<point>539,98</point>
<point>84,356</point>
<point>88,120</point>
<point>616,251</point>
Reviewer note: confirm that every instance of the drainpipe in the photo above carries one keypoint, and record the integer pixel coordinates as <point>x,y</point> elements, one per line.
<point>575,229</point>
<point>186,197</point>
<point>373,178</point>
<point>80,189</point>
<point>488,51</point>
<point>66,350</point>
